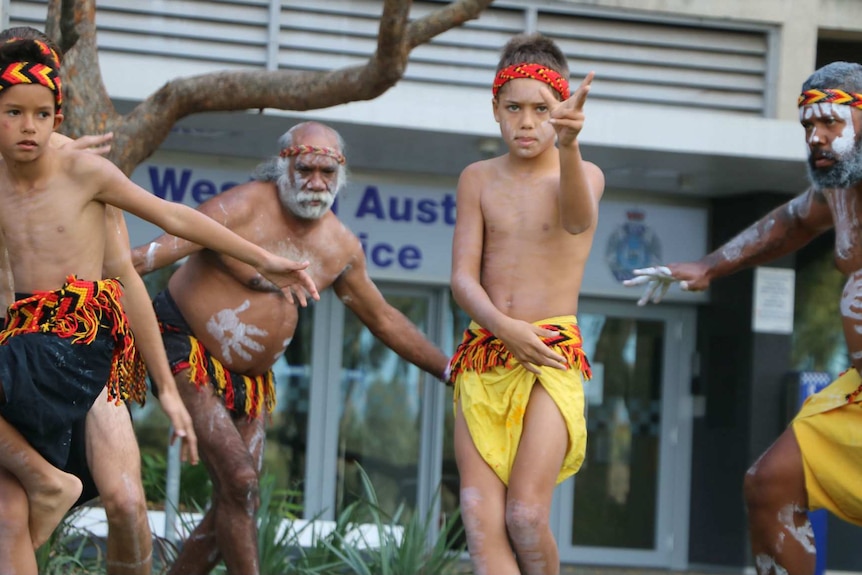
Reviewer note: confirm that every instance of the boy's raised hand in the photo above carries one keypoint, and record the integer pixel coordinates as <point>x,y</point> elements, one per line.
<point>291,277</point>
<point>568,117</point>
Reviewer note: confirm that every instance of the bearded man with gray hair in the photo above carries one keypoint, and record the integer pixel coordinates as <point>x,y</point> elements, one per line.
<point>816,462</point>
<point>222,345</point>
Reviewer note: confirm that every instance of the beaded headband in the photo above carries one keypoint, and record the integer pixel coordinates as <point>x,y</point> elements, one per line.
<point>32,73</point>
<point>534,71</point>
<point>319,150</point>
<point>830,96</point>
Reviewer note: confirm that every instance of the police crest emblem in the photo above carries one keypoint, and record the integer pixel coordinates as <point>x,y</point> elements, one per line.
<point>631,246</point>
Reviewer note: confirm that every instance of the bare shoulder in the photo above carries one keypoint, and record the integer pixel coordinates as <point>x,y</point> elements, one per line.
<point>477,174</point>
<point>246,198</point>
<point>84,164</point>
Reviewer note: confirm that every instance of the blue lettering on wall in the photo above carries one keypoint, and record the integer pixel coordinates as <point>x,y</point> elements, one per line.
<point>169,183</point>
<point>170,186</point>
<point>401,208</point>
<point>203,190</point>
<point>427,211</point>
<point>406,215</point>
<point>384,255</point>
<point>371,204</point>
<point>409,257</point>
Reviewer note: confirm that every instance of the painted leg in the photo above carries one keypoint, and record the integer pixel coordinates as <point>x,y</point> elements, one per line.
<point>16,547</point>
<point>231,449</point>
<point>483,505</point>
<point>531,485</point>
<point>115,462</point>
<point>782,541</point>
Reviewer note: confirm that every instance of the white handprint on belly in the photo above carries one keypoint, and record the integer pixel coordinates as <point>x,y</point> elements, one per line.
<point>233,335</point>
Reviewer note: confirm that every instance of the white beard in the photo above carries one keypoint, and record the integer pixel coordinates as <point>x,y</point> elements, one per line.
<point>299,201</point>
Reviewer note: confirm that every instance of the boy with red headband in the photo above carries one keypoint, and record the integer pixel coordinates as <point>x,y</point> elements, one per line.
<point>525,225</point>
<point>68,339</point>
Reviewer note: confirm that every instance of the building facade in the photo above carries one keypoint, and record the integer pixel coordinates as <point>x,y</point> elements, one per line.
<point>692,117</point>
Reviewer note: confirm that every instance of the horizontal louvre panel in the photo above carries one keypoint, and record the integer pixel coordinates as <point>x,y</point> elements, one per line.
<point>666,63</point>
<point>216,51</point>
<point>635,60</point>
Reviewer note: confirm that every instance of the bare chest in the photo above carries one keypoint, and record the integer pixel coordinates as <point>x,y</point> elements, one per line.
<point>846,210</point>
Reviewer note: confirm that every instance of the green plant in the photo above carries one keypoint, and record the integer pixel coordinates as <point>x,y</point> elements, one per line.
<point>69,551</point>
<point>410,552</point>
<point>196,485</point>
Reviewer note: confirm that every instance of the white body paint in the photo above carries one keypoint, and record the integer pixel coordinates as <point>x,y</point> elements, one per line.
<point>151,255</point>
<point>733,250</point>
<point>845,141</point>
<point>528,543</point>
<point>846,234</point>
<point>766,565</point>
<point>851,307</point>
<point>804,533</point>
<point>233,335</point>
<point>471,503</point>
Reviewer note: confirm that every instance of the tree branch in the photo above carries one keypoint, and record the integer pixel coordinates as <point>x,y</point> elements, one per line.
<point>141,132</point>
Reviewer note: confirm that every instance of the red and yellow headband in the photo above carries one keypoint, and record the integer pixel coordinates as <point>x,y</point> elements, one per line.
<point>534,71</point>
<point>830,96</point>
<point>319,150</point>
<point>32,73</point>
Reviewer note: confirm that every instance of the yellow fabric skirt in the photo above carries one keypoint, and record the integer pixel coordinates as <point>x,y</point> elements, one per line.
<point>828,429</point>
<point>494,390</point>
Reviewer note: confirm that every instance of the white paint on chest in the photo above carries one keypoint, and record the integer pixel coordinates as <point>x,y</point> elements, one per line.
<point>846,224</point>
<point>851,307</point>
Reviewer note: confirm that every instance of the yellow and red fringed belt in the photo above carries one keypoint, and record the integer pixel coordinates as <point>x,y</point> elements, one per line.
<point>480,351</point>
<point>258,390</point>
<point>77,311</point>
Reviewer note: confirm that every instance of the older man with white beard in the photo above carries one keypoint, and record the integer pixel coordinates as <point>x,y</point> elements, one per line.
<point>222,345</point>
<point>816,463</point>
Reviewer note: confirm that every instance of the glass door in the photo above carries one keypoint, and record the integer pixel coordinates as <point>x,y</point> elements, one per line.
<point>629,502</point>
<point>380,426</point>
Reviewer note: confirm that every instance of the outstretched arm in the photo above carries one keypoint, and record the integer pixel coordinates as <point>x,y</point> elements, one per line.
<point>780,232</point>
<point>389,325</point>
<point>581,183</point>
<point>148,339</point>
<point>181,220</point>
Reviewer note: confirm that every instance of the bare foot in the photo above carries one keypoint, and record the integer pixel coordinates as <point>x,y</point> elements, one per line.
<point>49,505</point>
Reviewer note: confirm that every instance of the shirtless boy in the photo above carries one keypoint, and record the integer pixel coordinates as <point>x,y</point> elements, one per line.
<point>525,225</point>
<point>67,337</point>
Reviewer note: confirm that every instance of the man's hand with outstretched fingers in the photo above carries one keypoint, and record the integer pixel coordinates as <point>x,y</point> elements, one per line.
<point>182,425</point>
<point>568,117</point>
<point>658,279</point>
<point>524,342</point>
<point>291,277</point>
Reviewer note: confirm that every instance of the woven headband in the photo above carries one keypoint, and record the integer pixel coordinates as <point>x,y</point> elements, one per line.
<point>32,73</point>
<point>319,150</point>
<point>534,71</point>
<point>830,96</point>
